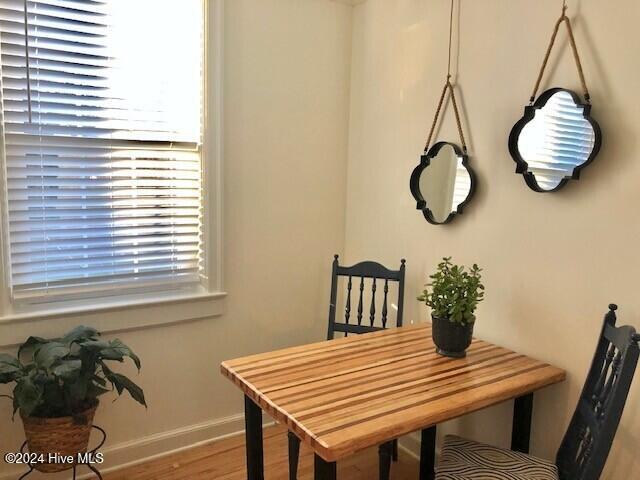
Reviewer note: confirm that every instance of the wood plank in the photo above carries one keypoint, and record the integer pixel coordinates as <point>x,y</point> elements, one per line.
<point>354,341</point>
<point>351,393</point>
<point>349,440</point>
<point>399,390</point>
<point>404,369</point>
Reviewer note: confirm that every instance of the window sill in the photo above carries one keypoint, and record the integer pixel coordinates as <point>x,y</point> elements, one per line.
<point>109,315</point>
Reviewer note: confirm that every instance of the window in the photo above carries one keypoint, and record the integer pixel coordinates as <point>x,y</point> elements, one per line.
<point>102,125</point>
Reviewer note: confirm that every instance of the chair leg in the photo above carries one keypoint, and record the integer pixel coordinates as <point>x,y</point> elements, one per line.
<point>385,454</point>
<point>394,454</point>
<point>294,456</point>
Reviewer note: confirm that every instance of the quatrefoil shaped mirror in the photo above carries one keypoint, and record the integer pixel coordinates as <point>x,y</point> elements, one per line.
<point>554,140</point>
<point>557,137</point>
<point>442,183</point>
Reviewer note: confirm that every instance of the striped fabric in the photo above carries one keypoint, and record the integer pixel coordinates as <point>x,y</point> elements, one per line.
<point>463,459</point>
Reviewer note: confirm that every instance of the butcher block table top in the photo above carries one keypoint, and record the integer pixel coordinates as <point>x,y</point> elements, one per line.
<point>343,395</point>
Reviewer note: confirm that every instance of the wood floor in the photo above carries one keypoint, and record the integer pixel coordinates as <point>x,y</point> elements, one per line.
<point>225,460</point>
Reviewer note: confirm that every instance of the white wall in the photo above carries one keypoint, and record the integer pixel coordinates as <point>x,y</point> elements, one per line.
<point>286,106</point>
<point>552,261</point>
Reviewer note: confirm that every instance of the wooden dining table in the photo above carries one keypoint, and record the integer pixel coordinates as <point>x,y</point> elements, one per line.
<point>344,395</point>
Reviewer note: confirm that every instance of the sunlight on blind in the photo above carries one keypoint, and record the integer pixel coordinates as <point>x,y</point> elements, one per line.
<point>102,143</point>
<point>461,186</point>
<point>556,141</point>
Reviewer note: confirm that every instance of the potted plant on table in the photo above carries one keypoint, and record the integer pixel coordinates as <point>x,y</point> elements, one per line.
<point>57,385</point>
<point>453,295</point>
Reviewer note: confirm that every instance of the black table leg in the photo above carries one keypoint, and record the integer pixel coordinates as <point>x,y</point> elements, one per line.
<point>324,470</point>
<point>294,456</point>
<point>385,452</point>
<point>428,453</point>
<point>253,433</point>
<point>521,430</point>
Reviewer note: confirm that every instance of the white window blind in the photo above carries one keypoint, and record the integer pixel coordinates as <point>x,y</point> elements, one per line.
<point>102,135</point>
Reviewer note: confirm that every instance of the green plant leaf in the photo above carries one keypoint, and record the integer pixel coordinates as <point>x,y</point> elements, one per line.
<point>41,377</point>
<point>121,383</point>
<point>10,368</point>
<point>31,344</point>
<point>47,354</point>
<point>67,369</point>
<point>79,333</point>
<point>105,369</point>
<point>111,354</point>
<point>94,391</point>
<point>126,351</point>
<point>94,345</point>
<point>8,360</point>
<point>28,395</point>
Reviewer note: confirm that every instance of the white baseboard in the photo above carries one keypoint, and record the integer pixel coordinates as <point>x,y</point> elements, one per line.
<point>411,444</point>
<point>154,446</point>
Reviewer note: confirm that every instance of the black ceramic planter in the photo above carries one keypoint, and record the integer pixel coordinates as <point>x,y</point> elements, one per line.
<point>451,339</point>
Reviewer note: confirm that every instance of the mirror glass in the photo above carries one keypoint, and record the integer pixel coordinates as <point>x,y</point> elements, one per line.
<point>556,141</point>
<point>445,183</point>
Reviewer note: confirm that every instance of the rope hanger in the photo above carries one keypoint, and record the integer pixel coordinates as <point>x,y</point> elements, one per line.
<point>563,19</point>
<point>448,86</point>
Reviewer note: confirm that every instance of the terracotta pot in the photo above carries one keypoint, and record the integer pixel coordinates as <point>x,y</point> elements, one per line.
<point>452,339</point>
<point>65,436</point>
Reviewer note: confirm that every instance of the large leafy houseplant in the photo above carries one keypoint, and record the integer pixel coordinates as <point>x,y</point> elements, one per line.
<point>453,296</point>
<point>57,385</point>
<point>65,376</point>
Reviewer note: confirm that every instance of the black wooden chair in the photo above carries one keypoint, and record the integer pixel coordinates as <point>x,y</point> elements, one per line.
<point>586,444</point>
<point>357,322</point>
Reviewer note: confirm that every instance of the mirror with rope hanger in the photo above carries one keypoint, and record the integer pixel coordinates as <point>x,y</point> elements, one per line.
<point>557,137</point>
<point>443,183</point>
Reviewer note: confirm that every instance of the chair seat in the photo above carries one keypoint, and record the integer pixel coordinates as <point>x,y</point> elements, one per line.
<point>463,459</point>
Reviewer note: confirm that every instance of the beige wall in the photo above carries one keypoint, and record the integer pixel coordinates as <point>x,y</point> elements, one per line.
<point>552,261</point>
<point>286,117</point>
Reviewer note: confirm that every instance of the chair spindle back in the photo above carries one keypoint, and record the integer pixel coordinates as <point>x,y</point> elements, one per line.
<point>585,447</point>
<point>365,318</point>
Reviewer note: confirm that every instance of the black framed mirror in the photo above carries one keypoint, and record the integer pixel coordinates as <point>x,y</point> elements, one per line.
<point>554,140</point>
<point>443,182</point>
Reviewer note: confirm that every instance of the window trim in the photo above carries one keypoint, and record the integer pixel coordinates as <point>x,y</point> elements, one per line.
<point>18,320</point>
